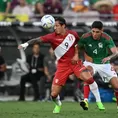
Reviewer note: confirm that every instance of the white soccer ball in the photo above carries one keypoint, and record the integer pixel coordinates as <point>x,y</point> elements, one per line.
<point>47,21</point>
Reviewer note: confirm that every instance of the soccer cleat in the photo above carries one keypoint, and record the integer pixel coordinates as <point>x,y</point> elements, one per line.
<point>57,109</point>
<point>100,106</point>
<point>84,105</point>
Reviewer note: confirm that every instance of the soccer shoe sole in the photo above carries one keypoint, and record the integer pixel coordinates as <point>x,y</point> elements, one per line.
<point>101,109</point>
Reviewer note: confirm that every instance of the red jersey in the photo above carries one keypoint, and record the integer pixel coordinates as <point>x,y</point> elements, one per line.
<point>63,45</point>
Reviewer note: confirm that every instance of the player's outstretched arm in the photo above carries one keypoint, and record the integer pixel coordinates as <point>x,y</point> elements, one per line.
<point>26,44</point>
<point>114,55</point>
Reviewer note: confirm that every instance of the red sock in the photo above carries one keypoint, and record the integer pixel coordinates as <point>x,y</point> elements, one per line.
<point>86,90</point>
<point>116,94</point>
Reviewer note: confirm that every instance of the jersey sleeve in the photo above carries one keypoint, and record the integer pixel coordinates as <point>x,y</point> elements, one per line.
<point>110,43</point>
<point>81,42</point>
<point>46,38</point>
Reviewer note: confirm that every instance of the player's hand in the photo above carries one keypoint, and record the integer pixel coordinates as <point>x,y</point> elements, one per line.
<point>24,46</point>
<point>105,60</point>
<point>75,59</point>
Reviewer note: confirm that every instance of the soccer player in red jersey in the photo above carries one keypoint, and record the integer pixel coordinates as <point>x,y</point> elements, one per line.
<point>64,44</point>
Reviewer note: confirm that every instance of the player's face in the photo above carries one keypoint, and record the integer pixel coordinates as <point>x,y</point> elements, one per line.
<point>36,49</point>
<point>96,33</point>
<point>59,29</point>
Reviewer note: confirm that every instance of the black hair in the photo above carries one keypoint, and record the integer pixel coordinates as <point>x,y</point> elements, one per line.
<point>97,24</point>
<point>61,20</point>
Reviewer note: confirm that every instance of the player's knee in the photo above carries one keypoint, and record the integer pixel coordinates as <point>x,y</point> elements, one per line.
<point>116,88</point>
<point>54,94</point>
<point>90,69</point>
<point>114,83</point>
<point>89,81</point>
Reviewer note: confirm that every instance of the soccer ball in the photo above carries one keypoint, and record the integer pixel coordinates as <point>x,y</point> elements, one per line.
<point>47,21</point>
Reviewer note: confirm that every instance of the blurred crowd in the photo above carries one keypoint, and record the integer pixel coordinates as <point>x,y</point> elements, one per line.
<point>30,10</point>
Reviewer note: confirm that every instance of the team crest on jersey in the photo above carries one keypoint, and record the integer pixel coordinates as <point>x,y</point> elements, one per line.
<point>100,45</point>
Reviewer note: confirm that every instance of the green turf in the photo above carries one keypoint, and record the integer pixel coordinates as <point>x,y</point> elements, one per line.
<point>44,110</point>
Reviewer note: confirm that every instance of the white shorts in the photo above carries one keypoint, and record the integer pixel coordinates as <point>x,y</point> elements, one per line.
<point>106,71</point>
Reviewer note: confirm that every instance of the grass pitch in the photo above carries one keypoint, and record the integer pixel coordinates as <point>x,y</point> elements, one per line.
<point>44,110</point>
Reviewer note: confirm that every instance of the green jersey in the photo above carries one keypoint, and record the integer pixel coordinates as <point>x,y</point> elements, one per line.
<point>3,5</point>
<point>96,49</point>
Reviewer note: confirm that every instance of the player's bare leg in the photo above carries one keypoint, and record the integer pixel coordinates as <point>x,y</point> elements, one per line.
<point>114,83</point>
<point>86,76</point>
<point>56,89</point>
<point>86,85</point>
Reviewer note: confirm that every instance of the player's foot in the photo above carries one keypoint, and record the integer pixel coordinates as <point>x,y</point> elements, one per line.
<point>100,106</point>
<point>84,104</point>
<point>57,109</point>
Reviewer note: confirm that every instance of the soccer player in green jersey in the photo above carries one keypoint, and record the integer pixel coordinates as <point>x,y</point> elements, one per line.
<point>96,45</point>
